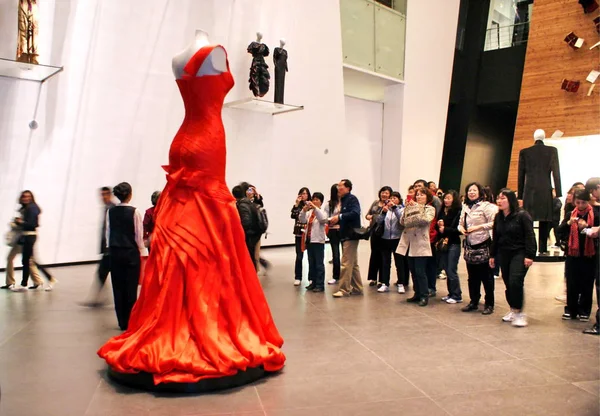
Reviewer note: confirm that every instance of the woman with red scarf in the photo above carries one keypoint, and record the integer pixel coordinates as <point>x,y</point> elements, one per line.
<point>581,264</point>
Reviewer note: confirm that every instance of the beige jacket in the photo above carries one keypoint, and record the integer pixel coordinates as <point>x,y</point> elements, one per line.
<point>482,213</point>
<point>415,238</point>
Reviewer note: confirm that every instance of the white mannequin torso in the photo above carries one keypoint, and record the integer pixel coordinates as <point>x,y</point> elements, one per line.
<point>214,64</point>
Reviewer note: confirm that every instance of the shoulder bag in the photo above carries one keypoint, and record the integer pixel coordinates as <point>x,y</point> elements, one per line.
<point>476,253</point>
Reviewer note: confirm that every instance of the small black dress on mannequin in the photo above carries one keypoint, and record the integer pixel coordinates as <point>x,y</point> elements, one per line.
<point>259,70</point>
<point>280,56</point>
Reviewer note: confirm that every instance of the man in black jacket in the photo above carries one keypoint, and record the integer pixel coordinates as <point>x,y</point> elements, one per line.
<point>249,217</point>
<point>349,219</point>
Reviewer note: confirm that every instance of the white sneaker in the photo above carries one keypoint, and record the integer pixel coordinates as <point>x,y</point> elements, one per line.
<point>332,282</point>
<point>297,282</point>
<point>520,320</point>
<point>445,298</point>
<point>401,289</point>
<point>496,277</point>
<point>509,317</point>
<point>383,289</point>
<point>453,301</point>
<point>442,275</point>
<point>19,288</point>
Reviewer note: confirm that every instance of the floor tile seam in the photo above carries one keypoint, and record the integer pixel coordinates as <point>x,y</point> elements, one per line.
<point>346,403</point>
<point>88,408</point>
<point>544,370</point>
<point>15,333</point>
<point>471,336</point>
<point>262,407</point>
<point>388,365</point>
<point>531,386</point>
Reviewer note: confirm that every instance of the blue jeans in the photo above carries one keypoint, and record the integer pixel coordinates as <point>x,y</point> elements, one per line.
<point>316,264</point>
<point>450,263</point>
<point>418,266</point>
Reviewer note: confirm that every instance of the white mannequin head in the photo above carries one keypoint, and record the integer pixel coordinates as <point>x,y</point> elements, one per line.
<point>281,42</point>
<point>539,134</point>
<point>259,36</point>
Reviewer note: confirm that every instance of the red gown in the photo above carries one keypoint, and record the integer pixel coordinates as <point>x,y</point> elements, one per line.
<point>201,312</point>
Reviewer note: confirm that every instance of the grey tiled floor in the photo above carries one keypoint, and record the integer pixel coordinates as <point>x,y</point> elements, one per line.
<point>371,355</point>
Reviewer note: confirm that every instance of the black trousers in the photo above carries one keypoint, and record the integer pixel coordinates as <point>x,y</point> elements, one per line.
<point>432,269</point>
<point>125,275</point>
<point>336,244</point>
<point>417,267</point>
<point>251,242</point>
<point>480,274</point>
<point>544,233</point>
<point>316,264</point>
<point>299,258</point>
<point>513,273</point>
<point>581,273</point>
<point>28,243</point>
<point>375,259</point>
<point>402,270</point>
<point>388,249</point>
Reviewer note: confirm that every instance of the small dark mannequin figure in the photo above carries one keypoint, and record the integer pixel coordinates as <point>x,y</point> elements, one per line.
<point>125,239</point>
<point>259,70</point>
<point>280,57</point>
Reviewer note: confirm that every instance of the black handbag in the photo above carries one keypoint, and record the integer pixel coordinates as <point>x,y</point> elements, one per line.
<point>476,253</point>
<point>362,233</point>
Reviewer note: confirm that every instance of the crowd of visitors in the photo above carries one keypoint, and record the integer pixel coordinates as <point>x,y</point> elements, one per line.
<point>423,236</point>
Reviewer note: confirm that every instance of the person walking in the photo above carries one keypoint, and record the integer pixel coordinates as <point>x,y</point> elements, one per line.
<point>104,265</point>
<point>514,239</point>
<point>28,224</point>
<point>125,239</point>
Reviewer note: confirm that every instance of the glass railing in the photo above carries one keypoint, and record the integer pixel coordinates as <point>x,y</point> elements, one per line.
<point>373,37</point>
<point>501,37</point>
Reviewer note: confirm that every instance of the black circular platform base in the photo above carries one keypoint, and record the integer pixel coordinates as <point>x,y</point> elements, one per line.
<point>145,381</point>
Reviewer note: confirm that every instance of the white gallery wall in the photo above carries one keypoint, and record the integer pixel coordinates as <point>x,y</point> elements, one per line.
<point>430,39</point>
<point>111,115</point>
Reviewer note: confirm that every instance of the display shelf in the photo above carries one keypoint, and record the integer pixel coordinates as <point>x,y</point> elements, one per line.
<point>262,106</point>
<point>29,72</point>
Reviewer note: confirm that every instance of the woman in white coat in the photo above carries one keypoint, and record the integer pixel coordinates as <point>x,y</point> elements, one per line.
<point>476,223</point>
<point>414,243</point>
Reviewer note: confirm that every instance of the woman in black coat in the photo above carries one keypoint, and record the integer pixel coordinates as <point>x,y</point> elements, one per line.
<point>514,239</point>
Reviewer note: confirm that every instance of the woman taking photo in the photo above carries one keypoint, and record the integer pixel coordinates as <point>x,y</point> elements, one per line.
<point>476,222</point>
<point>332,209</point>
<point>514,239</point>
<point>392,231</point>
<point>299,229</point>
<point>414,242</point>
<point>449,244</point>
<point>374,212</point>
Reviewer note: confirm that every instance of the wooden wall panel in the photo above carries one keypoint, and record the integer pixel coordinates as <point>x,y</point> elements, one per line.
<point>548,60</point>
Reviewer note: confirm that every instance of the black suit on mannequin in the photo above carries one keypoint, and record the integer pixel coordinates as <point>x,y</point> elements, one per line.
<point>536,164</point>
